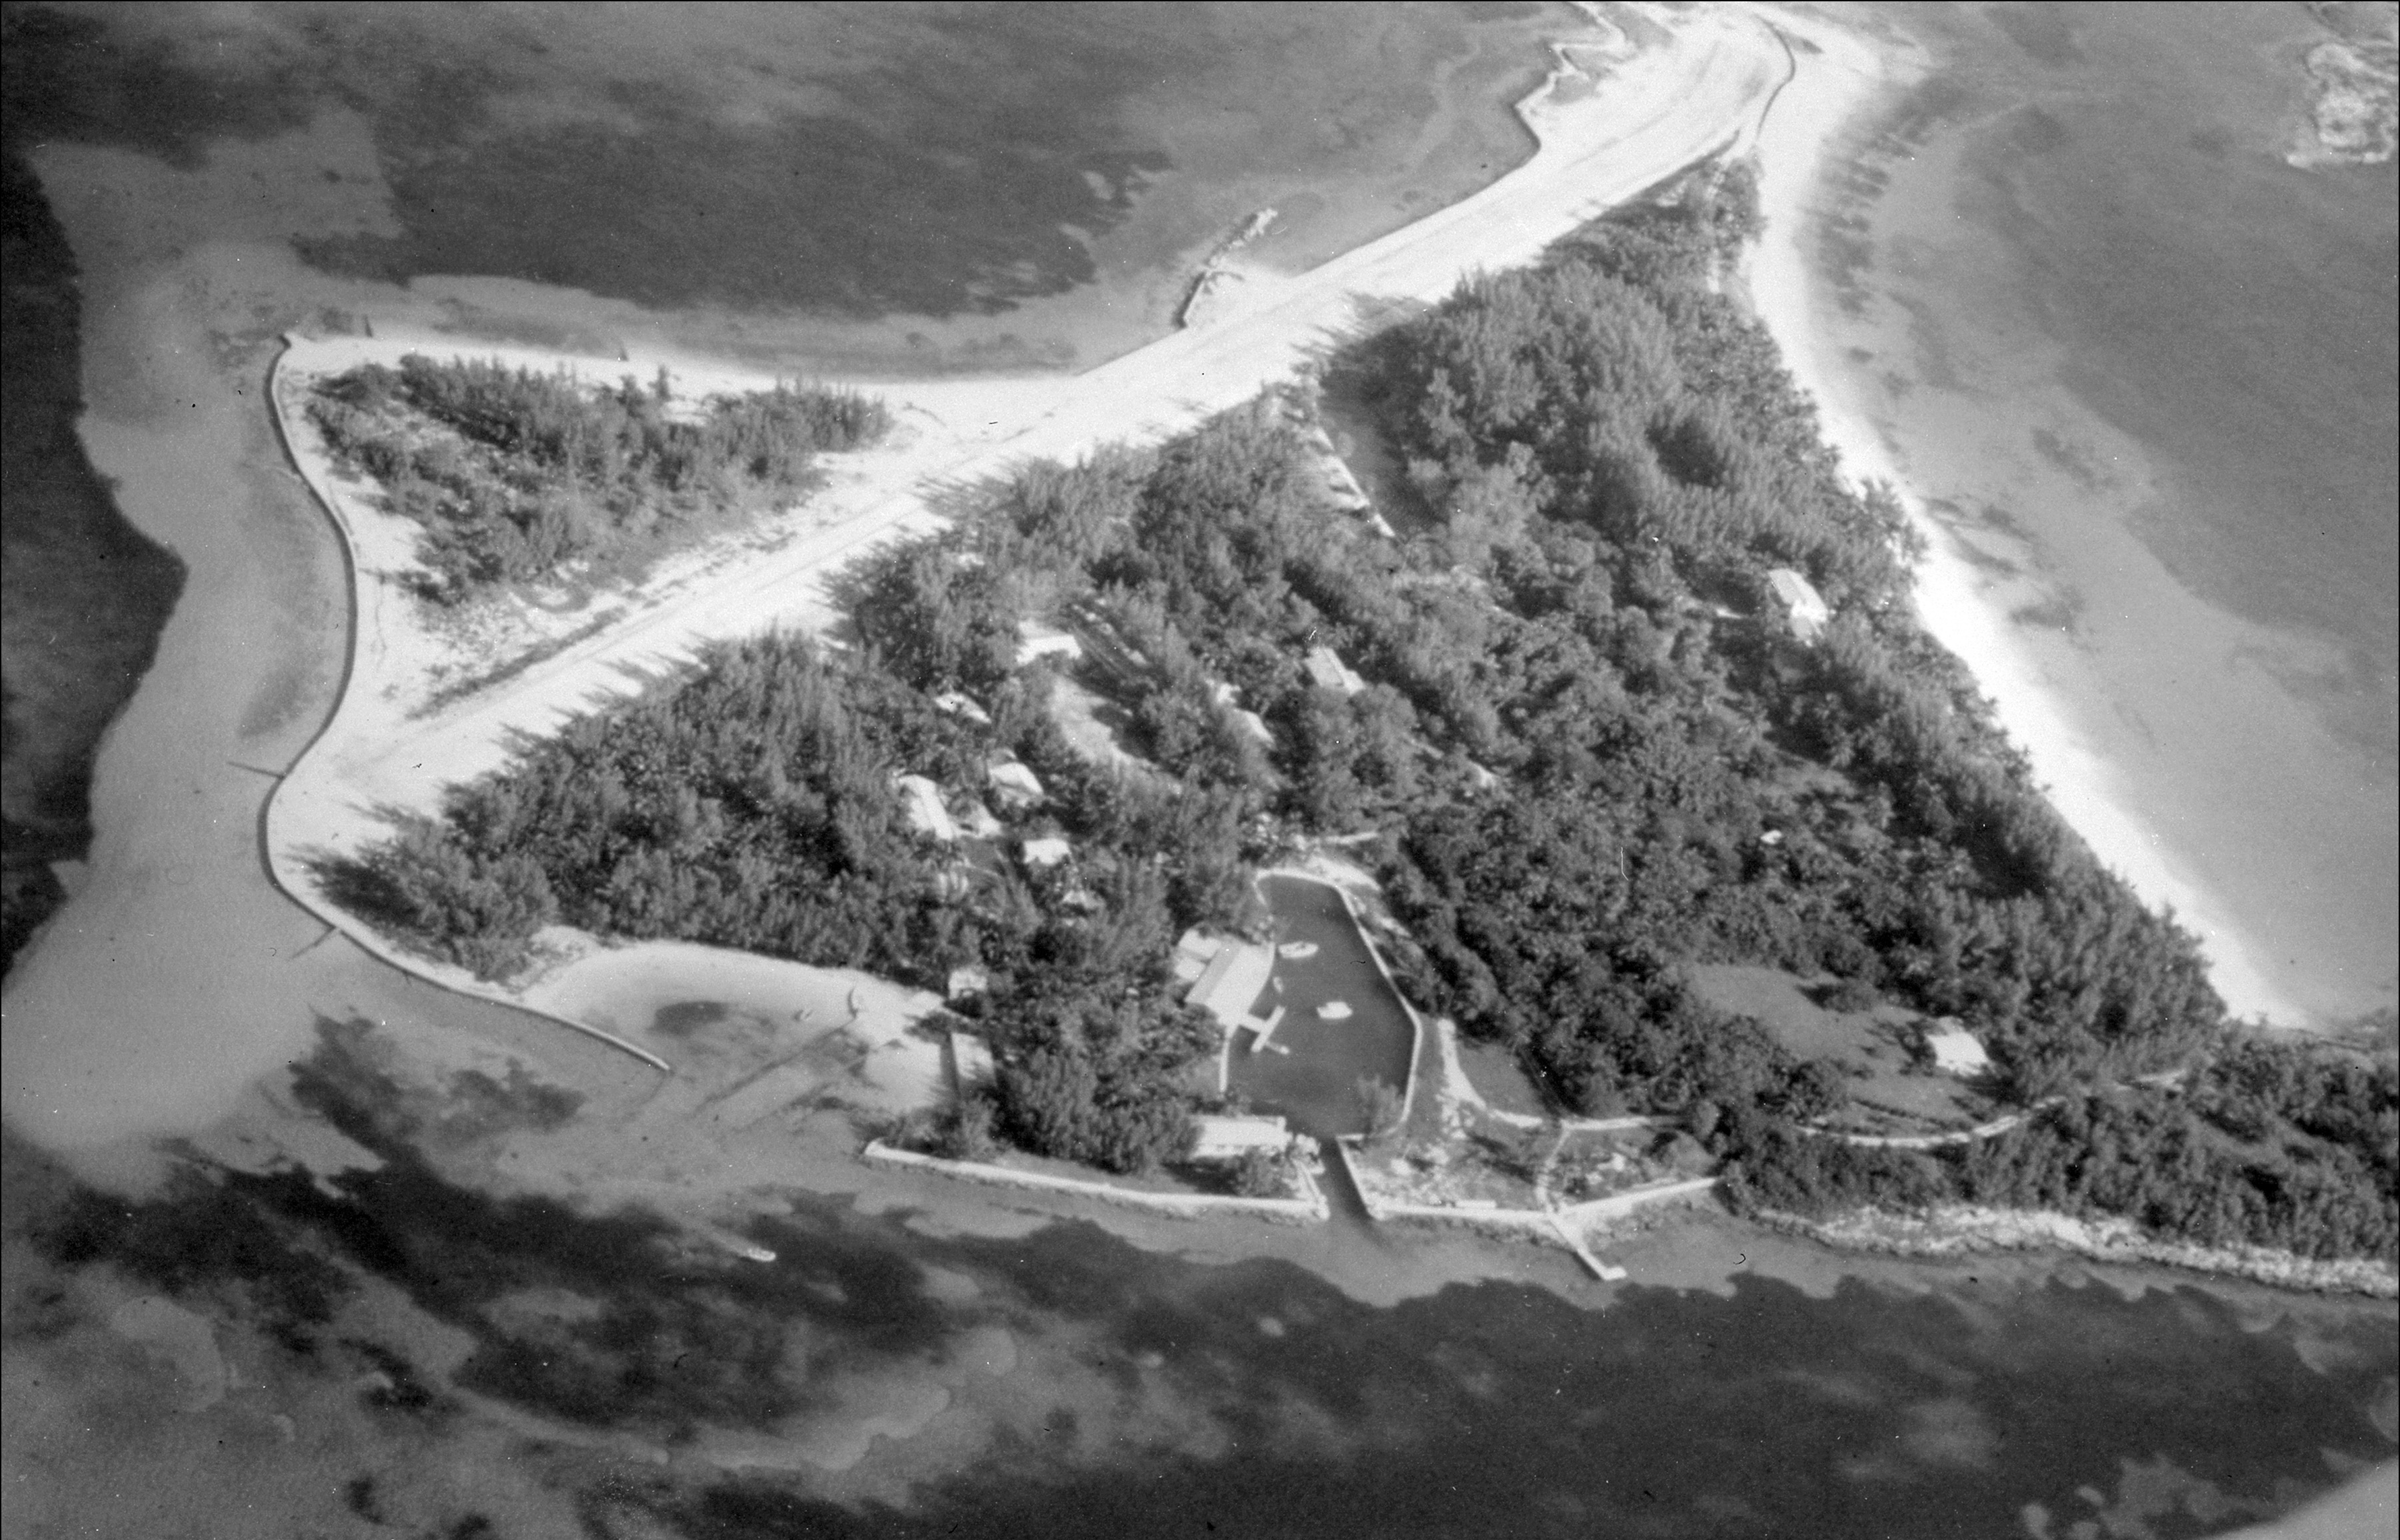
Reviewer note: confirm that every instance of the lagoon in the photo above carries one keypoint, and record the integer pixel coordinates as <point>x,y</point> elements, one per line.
<point>1310,1069</point>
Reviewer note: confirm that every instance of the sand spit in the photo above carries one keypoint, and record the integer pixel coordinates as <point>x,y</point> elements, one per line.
<point>1844,77</point>
<point>413,720</point>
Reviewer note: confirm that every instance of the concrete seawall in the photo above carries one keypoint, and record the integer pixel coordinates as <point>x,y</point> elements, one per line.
<point>287,865</point>
<point>1309,1209</point>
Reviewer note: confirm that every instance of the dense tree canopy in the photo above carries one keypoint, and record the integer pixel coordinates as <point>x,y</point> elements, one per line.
<point>516,475</point>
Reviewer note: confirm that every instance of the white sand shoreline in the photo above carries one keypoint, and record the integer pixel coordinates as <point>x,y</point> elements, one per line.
<point>1820,106</point>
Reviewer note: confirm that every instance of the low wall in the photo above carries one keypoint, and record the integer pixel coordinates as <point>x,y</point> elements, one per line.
<point>1959,1230</point>
<point>284,864</point>
<point>1617,1205</point>
<point>1538,1224</point>
<point>1310,1210</point>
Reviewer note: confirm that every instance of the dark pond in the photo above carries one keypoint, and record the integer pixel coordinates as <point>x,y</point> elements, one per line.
<point>1310,1069</point>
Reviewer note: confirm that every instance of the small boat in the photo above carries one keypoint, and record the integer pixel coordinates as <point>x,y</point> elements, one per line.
<point>1296,951</point>
<point>747,1250</point>
<point>1333,1010</point>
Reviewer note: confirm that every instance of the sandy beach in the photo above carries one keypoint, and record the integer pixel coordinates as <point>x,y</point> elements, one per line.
<point>1848,80</point>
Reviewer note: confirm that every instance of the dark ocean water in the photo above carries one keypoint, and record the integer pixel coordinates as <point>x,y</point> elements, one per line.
<point>786,178</point>
<point>1139,1392</point>
<point>1501,1409</point>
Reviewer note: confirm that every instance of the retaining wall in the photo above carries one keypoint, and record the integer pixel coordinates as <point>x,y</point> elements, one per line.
<point>1310,1210</point>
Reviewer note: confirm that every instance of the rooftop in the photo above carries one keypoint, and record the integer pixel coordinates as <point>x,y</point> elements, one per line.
<point>1230,1137</point>
<point>1233,982</point>
<point>920,803</point>
<point>1047,852</point>
<point>1805,605</point>
<point>1327,670</point>
<point>1016,782</point>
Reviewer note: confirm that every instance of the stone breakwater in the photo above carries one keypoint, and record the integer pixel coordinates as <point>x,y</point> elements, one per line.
<point>1309,1209</point>
<point>1959,1230</point>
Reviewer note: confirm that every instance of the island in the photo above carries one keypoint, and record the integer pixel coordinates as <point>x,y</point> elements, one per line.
<point>1567,816</point>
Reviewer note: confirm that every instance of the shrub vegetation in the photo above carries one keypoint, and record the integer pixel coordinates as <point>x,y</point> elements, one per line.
<point>516,475</point>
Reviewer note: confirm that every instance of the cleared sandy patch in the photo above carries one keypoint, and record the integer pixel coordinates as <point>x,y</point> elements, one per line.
<point>787,1030</point>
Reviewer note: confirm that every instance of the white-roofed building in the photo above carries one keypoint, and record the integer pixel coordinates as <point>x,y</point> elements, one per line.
<point>1015,784</point>
<point>1035,641</point>
<point>963,706</point>
<point>1192,952</point>
<point>1802,605</point>
<point>920,803</point>
<point>1231,983</point>
<point>1229,1139</point>
<point>1327,670</point>
<point>1046,851</point>
<point>1954,1050</point>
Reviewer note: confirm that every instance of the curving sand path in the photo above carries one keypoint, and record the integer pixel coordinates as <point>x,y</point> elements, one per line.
<point>382,751</point>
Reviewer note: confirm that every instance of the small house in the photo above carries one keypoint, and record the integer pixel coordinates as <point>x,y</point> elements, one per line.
<point>1254,727</point>
<point>1327,670</point>
<point>978,822</point>
<point>1229,1138</point>
<point>1045,852</point>
<point>1953,1049</point>
<point>966,983</point>
<point>1192,952</point>
<point>920,804</point>
<point>1803,606</point>
<point>962,706</point>
<point>1231,983</point>
<point>1037,641</point>
<point>1016,786</point>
